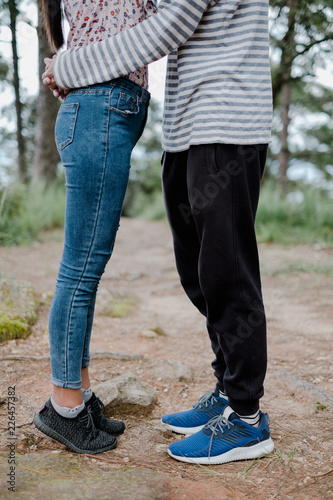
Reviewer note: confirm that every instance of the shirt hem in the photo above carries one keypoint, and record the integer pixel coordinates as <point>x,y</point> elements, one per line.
<point>238,142</point>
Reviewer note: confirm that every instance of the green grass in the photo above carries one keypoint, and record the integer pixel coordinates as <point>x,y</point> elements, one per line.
<point>277,455</point>
<point>320,406</point>
<point>119,308</point>
<point>25,211</point>
<point>305,267</point>
<point>146,206</point>
<point>12,328</point>
<point>279,221</point>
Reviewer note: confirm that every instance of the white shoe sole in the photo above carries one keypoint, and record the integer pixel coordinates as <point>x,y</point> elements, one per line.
<point>241,453</point>
<point>183,430</point>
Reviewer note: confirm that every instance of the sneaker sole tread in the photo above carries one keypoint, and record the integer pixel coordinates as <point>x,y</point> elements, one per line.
<point>240,453</point>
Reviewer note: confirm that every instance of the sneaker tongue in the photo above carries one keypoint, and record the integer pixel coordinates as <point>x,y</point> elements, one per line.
<point>229,413</point>
<point>216,393</point>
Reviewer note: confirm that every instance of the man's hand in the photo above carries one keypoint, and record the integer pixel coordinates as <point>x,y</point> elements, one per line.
<point>49,81</point>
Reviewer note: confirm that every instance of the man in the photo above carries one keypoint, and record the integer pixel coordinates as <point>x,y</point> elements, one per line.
<point>216,128</point>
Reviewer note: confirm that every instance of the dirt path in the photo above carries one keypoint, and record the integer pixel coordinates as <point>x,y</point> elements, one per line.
<point>298,292</point>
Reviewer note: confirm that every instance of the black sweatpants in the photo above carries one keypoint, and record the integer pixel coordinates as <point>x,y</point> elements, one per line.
<point>211,195</point>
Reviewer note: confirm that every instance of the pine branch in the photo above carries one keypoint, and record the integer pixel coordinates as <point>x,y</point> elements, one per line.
<point>313,44</point>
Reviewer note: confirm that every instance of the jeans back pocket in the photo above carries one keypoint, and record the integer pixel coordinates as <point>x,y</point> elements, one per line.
<point>127,103</point>
<point>65,124</point>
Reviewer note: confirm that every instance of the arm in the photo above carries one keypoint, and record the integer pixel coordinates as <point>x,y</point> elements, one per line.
<point>132,49</point>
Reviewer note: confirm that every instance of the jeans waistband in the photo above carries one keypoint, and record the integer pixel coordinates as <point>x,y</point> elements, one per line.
<point>125,83</point>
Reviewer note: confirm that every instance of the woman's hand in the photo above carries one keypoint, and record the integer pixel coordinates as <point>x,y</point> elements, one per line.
<point>49,81</point>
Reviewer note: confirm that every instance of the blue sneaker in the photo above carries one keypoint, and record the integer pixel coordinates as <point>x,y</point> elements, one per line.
<point>188,422</point>
<point>224,439</point>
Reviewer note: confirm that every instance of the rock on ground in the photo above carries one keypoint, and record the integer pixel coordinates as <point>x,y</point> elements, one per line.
<point>126,394</point>
<point>297,383</point>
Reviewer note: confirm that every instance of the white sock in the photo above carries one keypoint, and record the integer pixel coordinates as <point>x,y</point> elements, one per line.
<point>222,395</point>
<point>67,412</point>
<point>86,394</point>
<point>251,419</point>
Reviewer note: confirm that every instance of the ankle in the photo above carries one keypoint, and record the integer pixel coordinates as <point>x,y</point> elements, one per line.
<point>68,398</point>
<point>85,380</point>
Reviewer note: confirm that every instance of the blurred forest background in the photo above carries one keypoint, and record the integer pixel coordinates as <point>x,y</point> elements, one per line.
<point>297,193</point>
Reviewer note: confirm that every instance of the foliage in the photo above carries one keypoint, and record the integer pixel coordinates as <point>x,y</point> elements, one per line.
<point>304,216</point>
<point>12,14</point>
<point>307,218</point>
<point>302,41</point>
<point>26,210</point>
<point>301,38</point>
<point>8,145</point>
<point>314,141</point>
<point>144,197</point>
<point>4,69</point>
<point>302,35</point>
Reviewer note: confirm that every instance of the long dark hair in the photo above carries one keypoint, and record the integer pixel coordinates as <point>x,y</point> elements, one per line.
<point>52,15</point>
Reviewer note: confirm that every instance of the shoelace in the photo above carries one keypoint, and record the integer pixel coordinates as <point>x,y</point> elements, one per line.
<point>98,405</point>
<point>205,400</point>
<point>216,424</point>
<point>88,422</point>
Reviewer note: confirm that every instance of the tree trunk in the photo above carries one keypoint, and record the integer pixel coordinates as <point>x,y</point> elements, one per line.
<point>287,59</point>
<point>22,164</point>
<point>46,156</point>
<point>284,154</point>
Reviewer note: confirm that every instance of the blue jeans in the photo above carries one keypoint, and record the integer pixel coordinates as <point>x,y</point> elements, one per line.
<point>96,130</point>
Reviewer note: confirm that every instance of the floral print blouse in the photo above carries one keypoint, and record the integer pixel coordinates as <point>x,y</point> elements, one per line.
<point>92,21</point>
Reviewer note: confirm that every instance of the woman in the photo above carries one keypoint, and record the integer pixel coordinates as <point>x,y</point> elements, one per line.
<point>96,130</point>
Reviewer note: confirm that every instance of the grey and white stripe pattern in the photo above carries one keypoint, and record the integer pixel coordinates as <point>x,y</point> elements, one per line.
<point>218,87</point>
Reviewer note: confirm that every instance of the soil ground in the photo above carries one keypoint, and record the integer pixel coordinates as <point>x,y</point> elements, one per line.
<point>298,293</point>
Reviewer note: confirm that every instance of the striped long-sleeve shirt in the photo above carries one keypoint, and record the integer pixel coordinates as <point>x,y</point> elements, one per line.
<point>218,84</point>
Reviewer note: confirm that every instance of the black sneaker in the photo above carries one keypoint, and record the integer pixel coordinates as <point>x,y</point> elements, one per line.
<point>79,434</point>
<point>111,426</point>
